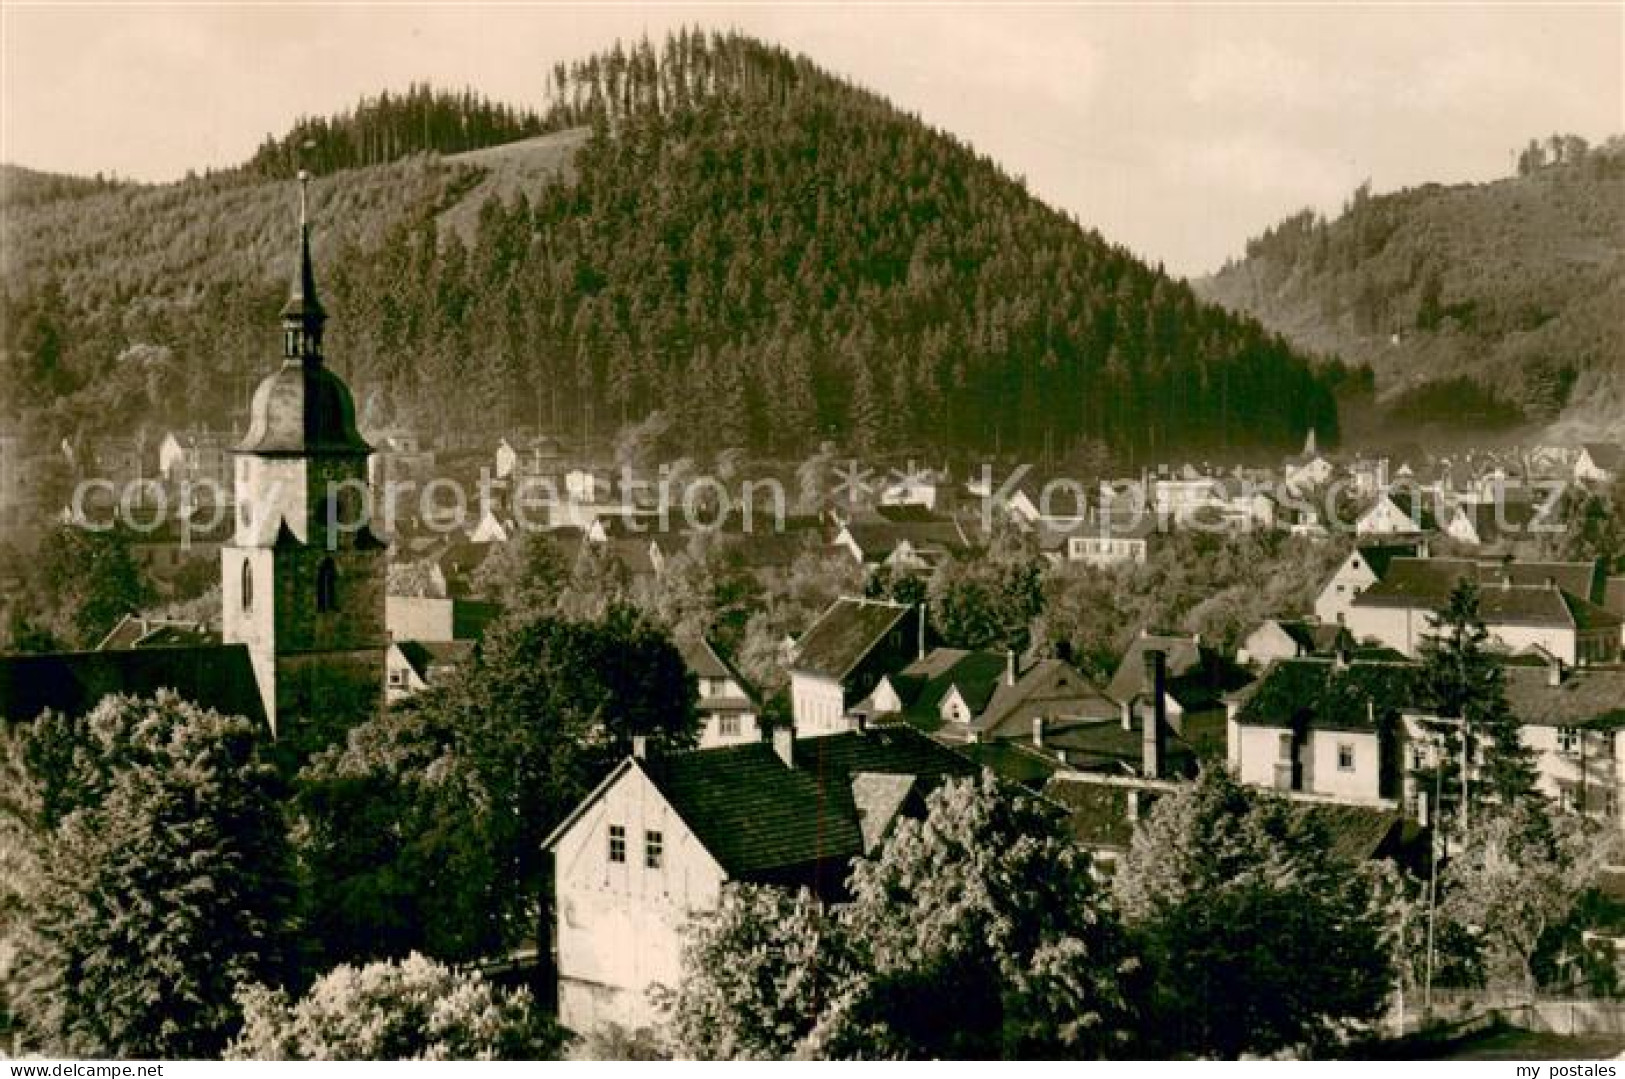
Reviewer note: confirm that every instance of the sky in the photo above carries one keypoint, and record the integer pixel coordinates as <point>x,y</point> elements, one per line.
<point>1177,130</point>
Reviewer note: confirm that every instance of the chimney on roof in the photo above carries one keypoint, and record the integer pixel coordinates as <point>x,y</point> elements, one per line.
<point>1551,584</point>
<point>921,633</point>
<point>1153,743</point>
<point>1009,666</point>
<point>640,747</point>
<point>1038,732</point>
<point>1422,549</point>
<point>1554,671</point>
<point>784,743</point>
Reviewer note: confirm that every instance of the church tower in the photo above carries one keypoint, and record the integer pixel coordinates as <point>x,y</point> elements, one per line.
<point>302,582</point>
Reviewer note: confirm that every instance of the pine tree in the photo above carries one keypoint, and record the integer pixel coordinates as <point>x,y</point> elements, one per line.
<point>1466,684</point>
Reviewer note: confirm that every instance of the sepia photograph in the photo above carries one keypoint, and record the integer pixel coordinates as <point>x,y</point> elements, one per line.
<point>892,531</point>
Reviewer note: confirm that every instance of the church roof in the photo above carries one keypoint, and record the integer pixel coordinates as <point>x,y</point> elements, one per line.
<point>215,676</point>
<point>303,408</point>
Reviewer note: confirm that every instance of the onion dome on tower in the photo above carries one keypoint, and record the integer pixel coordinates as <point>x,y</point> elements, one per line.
<point>303,408</point>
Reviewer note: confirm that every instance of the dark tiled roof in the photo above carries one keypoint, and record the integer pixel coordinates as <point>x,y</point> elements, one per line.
<point>759,818</point>
<point>1433,578</point>
<point>1104,746</point>
<point>1050,689</point>
<point>1011,761</point>
<point>844,635</point>
<point>877,536</point>
<point>1315,638</point>
<point>1586,697</point>
<point>764,549</point>
<point>1358,833</point>
<point>1584,579</point>
<point>1613,597</point>
<point>427,656</point>
<point>911,514</point>
<point>1606,455</point>
<point>1378,555</point>
<point>1097,813</point>
<point>214,676</point>
<point>893,750</point>
<point>924,683</point>
<point>1198,677</point>
<point>1326,696</point>
<point>754,815</point>
<point>702,659</point>
<point>1510,518</point>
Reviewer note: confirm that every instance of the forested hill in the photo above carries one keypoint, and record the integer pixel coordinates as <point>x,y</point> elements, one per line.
<point>1494,303</point>
<point>767,252</point>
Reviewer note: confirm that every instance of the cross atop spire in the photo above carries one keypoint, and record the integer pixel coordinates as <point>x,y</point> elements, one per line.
<point>302,315</point>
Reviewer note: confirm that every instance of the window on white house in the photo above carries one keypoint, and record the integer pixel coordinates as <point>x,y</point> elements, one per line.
<point>1568,740</point>
<point>728,726</point>
<point>1345,757</point>
<point>397,677</point>
<point>654,850</point>
<point>617,843</point>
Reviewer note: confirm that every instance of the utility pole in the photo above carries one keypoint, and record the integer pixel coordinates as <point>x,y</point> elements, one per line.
<point>1433,880</point>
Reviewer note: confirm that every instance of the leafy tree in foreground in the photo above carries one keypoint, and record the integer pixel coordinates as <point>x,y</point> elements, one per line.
<point>415,1009</point>
<point>986,913</point>
<point>389,832</point>
<point>976,933</point>
<point>1257,940</point>
<point>1514,882</point>
<point>90,582</point>
<point>156,877</point>
<point>461,782</point>
<point>757,975</point>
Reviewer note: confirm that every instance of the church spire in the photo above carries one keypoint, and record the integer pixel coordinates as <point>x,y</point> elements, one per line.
<point>302,315</point>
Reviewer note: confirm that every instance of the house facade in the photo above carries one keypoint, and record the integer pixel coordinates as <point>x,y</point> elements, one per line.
<point>842,656</point>
<point>629,874</point>
<point>730,711</point>
<point>655,844</point>
<point>1289,638</point>
<point>1322,727</point>
<point>1363,568</point>
<point>1523,605</point>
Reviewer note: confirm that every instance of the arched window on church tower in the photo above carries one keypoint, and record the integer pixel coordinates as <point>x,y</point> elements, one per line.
<point>327,586</point>
<point>248,585</point>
